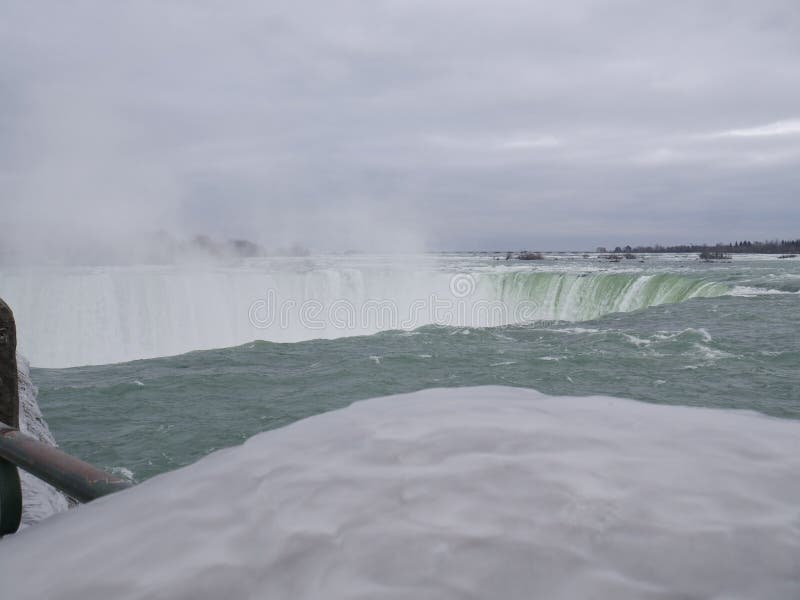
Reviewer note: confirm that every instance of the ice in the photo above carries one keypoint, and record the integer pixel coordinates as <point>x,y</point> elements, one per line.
<point>464,493</point>
<point>39,500</point>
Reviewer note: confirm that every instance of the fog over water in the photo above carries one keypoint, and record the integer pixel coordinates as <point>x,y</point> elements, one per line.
<point>388,126</point>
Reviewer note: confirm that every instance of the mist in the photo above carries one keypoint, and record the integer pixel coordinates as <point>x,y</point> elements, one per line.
<point>395,126</point>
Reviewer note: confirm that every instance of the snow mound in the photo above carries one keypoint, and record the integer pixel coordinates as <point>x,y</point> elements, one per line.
<point>463,493</point>
<point>39,499</point>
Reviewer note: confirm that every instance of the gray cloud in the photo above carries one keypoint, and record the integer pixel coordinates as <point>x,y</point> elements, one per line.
<point>399,125</point>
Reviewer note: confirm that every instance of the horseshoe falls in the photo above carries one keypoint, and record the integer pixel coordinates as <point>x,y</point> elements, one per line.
<point>99,315</point>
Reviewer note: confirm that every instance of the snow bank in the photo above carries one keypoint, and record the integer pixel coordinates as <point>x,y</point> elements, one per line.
<point>39,500</point>
<point>464,493</point>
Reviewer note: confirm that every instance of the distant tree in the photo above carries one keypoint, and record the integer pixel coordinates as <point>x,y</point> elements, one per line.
<point>766,247</point>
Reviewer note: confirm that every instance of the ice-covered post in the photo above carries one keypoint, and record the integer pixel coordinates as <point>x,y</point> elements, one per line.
<point>10,492</point>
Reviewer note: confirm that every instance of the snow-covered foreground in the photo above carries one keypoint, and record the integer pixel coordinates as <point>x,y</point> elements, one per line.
<point>463,493</point>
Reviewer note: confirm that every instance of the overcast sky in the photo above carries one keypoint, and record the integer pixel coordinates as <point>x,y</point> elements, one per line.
<point>401,125</point>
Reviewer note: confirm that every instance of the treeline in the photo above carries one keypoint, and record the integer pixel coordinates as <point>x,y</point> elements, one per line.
<point>743,247</point>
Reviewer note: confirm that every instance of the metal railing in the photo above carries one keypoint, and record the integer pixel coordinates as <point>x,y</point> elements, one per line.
<point>75,478</point>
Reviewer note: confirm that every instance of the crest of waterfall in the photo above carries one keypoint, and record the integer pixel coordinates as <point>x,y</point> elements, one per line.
<point>79,316</point>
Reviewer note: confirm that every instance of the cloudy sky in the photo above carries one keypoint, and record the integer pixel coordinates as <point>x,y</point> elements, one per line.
<point>387,125</point>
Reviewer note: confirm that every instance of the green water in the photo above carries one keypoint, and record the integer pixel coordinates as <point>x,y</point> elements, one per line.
<point>154,415</point>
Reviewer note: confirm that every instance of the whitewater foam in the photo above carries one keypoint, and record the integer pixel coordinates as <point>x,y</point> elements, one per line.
<point>748,291</point>
<point>711,354</point>
<point>636,341</point>
<point>671,335</point>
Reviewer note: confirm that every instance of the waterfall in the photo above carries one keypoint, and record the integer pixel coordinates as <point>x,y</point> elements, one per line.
<point>78,316</point>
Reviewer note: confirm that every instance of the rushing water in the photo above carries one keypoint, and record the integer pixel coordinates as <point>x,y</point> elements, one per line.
<point>669,329</point>
<point>79,316</point>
